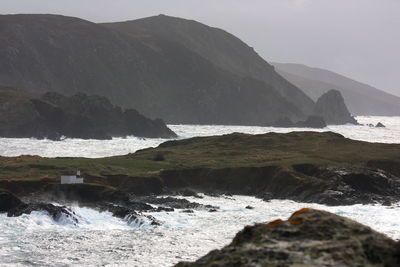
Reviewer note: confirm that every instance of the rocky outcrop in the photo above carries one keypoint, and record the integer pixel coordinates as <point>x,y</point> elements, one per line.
<point>80,116</point>
<point>14,207</point>
<point>307,183</point>
<point>332,108</point>
<point>308,238</point>
<point>8,201</point>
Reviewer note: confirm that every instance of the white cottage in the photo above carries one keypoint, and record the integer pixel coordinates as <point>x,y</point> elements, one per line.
<point>73,179</point>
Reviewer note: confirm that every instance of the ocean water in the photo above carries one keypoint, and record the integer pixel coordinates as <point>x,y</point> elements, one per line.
<point>121,146</point>
<point>103,240</point>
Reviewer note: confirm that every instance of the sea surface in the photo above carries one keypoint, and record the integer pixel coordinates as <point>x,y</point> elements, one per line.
<point>120,146</point>
<point>100,239</point>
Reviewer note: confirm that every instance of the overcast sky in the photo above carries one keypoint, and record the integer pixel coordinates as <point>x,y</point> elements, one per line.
<point>357,38</point>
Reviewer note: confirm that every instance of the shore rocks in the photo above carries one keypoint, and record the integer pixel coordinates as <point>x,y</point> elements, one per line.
<point>14,207</point>
<point>308,238</point>
<point>176,203</point>
<point>8,201</point>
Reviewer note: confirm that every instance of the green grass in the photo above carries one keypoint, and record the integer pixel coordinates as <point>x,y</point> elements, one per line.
<point>234,150</point>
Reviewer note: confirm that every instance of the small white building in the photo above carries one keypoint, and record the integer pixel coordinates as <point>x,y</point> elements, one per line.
<point>72,179</point>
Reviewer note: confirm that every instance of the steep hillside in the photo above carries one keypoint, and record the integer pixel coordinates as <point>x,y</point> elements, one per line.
<point>53,115</point>
<point>361,99</point>
<point>218,46</point>
<point>158,77</point>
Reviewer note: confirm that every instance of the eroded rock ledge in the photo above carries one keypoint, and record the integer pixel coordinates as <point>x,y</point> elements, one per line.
<point>308,238</point>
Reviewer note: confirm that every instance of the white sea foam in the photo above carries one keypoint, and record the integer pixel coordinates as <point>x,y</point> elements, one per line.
<point>100,239</point>
<point>121,146</point>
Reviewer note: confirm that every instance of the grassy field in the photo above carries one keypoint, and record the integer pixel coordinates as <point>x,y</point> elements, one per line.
<point>234,150</point>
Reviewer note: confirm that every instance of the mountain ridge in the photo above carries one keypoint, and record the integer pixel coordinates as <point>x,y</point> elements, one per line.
<point>360,98</point>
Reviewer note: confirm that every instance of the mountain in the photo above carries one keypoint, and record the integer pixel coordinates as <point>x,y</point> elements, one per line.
<point>157,77</point>
<point>137,68</point>
<point>360,98</point>
<point>219,47</point>
<point>53,115</point>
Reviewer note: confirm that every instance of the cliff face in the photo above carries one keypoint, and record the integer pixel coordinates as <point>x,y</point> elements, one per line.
<point>156,76</point>
<point>308,238</point>
<point>332,108</point>
<point>53,115</point>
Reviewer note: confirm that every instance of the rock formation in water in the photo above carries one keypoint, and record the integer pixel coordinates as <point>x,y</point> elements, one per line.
<point>308,238</point>
<point>53,115</point>
<point>332,108</point>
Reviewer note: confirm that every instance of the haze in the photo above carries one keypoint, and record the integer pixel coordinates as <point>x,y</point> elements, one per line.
<point>356,38</point>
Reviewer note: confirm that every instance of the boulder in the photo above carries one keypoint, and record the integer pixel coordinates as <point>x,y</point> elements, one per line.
<point>380,125</point>
<point>308,238</point>
<point>8,201</point>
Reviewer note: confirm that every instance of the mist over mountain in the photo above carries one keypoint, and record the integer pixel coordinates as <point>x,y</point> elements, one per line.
<point>170,68</point>
<point>360,98</point>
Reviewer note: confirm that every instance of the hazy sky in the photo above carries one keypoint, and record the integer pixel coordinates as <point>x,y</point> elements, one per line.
<point>357,38</point>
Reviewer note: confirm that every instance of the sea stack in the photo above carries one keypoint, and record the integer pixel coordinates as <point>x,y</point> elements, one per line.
<point>332,108</point>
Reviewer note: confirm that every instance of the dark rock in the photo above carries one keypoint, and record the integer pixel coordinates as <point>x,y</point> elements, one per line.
<point>308,238</point>
<point>380,125</point>
<point>189,193</point>
<point>175,203</point>
<point>212,210</point>
<point>187,211</point>
<point>249,207</point>
<point>167,209</point>
<point>331,107</point>
<point>8,201</point>
<point>56,212</point>
<point>312,122</point>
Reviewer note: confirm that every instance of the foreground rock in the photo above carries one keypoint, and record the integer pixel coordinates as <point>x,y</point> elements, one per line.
<point>308,238</point>
<point>53,116</point>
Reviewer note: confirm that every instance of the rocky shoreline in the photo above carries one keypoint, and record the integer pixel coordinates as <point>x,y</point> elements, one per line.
<point>310,167</point>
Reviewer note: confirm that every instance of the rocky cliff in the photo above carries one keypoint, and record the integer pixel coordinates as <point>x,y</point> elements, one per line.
<point>332,108</point>
<point>308,238</point>
<point>53,115</point>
